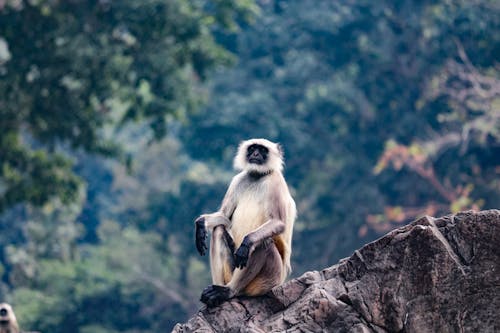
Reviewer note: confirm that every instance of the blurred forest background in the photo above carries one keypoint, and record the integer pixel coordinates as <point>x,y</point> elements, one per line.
<point>119,121</point>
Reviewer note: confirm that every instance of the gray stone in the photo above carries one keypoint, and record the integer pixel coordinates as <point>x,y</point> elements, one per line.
<point>433,275</point>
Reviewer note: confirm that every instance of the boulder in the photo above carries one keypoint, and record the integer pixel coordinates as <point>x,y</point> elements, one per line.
<point>432,275</point>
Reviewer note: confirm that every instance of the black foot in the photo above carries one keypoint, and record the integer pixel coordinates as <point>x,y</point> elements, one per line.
<point>214,295</point>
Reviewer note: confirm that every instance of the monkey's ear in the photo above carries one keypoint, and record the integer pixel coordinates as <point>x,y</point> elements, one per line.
<point>280,150</point>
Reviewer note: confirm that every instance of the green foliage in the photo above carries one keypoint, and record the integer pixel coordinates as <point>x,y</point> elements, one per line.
<point>67,65</point>
<point>386,110</point>
<point>335,81</point>
<point>149,272</point>
<point>131,270</point>
<point>32,175</point>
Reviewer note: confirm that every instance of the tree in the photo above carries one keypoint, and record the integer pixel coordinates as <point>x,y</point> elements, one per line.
<point>319,78</point>
<point>76,78</point>
<point>371,101</point>
<point>70,71</point>
<point>472,122</point>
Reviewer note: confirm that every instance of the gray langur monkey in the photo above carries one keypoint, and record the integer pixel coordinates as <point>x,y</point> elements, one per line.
<point>251,233</point>
<point>8,321</point>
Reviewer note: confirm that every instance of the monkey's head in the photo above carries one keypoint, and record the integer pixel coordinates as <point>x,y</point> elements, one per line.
<point>260,156</point>
<point>8,322</point>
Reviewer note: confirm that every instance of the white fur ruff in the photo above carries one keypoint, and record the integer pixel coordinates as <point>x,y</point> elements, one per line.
<point>274,159</point>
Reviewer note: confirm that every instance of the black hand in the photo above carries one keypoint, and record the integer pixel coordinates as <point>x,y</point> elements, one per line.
<point>241,255</point>
<point>201,236</point>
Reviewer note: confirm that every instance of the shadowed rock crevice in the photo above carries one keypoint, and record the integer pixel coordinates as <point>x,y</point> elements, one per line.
<point>432,275</point>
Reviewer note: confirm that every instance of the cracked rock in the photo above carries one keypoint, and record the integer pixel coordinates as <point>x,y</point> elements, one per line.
<point>433,275</point>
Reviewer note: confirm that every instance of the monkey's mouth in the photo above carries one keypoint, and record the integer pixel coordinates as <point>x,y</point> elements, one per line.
<point>4,321</point>
<point>255,160</point>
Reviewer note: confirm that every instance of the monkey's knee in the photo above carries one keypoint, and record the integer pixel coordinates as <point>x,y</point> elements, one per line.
<point>214,220</point>
<point>218,232</point>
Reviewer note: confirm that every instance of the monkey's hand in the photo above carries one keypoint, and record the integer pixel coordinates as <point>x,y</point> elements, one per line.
<point>201,235</point>
<point>241,255</point>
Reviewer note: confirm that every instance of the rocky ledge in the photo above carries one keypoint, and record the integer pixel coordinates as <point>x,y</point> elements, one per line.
<point>433,275</point>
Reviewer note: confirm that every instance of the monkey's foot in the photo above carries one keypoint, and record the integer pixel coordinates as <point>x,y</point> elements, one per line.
<point>214,295</point>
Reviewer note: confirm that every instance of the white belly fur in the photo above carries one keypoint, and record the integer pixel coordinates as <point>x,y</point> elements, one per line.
<point>248,216</point>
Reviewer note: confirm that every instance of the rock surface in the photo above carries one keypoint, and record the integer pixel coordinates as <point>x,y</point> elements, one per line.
<point>433,275</point>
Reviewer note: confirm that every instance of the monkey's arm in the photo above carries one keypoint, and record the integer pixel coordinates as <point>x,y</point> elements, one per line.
<point>223,215</point>
<point>210,221</point>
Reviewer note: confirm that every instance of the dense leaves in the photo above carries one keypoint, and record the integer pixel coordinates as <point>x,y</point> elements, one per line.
<point>386,110</point>
<point>339,84</point>
<point>70,70</point>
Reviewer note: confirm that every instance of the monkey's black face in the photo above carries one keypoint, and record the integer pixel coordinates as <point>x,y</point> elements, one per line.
<point>4,317</point>
<point>257,154</point>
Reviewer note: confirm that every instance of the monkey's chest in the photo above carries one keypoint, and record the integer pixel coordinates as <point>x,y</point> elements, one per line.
<point>248,216</point>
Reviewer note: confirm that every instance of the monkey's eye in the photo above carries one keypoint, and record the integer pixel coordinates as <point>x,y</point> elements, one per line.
<point>263,150</point>
<point>252,149</point>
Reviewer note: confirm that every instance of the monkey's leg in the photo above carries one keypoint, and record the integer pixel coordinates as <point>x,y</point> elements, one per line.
<point>221,255</point>
<point>221,266</point>
<point>262,273</point>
